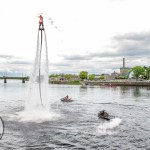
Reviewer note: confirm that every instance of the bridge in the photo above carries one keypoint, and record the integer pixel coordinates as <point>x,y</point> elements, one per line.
<point>23,79</point>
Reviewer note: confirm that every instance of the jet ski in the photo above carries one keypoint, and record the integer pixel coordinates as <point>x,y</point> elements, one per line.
<point>104,115</point>
<point>66,100</point>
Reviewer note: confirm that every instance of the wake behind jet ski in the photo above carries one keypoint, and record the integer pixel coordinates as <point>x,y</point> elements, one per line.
<point>66,99</point>
<point>104,115</point>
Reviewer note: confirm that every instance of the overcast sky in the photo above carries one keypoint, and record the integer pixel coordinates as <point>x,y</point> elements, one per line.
<point>91,35</point>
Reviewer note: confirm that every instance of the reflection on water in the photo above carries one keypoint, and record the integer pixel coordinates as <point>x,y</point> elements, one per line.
<point>78,126</point>
<point>136,92</point>
<point>124,90</point>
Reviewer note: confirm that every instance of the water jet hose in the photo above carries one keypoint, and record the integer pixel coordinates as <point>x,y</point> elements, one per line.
<point>1,135</point>
<point>40,71</point>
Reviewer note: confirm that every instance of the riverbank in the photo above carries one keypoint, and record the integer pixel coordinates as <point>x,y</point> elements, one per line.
<point>119,83</point>
<point>66,82</point>
<point>108,83</point>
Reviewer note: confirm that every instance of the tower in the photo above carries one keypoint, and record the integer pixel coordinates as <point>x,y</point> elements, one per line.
<point>123,62</point>
<point>124,71</point>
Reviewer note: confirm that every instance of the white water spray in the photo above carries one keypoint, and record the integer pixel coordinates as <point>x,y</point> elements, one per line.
<point>38,84</point>
<point>107,127</point>
<point>36,105</point>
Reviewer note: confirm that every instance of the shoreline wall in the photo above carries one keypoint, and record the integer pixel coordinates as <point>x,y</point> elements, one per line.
<point>120,83</point>
<point>108,83</point>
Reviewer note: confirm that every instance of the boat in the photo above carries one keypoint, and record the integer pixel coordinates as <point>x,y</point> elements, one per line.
<point>104,115</point>
<point>66,100</point>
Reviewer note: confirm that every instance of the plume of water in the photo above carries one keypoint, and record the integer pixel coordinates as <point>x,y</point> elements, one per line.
<point>38,84</point>
<point>36,105</point>
<point>107,127</point>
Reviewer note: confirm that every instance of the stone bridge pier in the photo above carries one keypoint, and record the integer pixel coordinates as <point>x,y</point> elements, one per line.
<point>5,80</point>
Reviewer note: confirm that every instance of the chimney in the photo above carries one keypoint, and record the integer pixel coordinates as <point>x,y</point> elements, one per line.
<point>123,62</point>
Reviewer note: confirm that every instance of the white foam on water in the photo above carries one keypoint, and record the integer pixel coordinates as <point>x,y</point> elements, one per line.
<point>37,116</point>
<point>107,127</point>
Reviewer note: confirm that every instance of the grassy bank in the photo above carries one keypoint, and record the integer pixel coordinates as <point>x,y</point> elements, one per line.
<point>66,82</point>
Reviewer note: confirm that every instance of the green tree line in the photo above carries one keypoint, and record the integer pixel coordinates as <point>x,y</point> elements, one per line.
<point>138,72</point>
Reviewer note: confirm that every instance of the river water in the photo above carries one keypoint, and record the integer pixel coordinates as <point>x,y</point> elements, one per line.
<point>76,125</point>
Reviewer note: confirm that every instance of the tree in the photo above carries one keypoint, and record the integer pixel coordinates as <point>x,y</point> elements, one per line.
<point>68,76</point>
<point>91,76</point>
<point>122,77</point>
<point>137,71</point>
<point>83,75</point>
<point>53,75</point>
<point>147,72</point>
<point>102,77</point>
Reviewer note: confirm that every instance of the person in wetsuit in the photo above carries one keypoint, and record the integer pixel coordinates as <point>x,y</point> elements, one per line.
<point>41,22</point>
<point>67,97</point>
<point>103,114</point>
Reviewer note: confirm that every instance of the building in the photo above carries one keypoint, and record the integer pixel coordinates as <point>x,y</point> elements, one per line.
<point>114,75</point>
<point>106,76</point>
<point>124,71</point>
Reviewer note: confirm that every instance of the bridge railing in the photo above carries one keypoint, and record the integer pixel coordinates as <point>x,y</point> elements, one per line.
<point>5,78</point>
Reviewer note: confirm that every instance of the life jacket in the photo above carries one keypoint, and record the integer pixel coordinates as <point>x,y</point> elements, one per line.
<point>41,19</point>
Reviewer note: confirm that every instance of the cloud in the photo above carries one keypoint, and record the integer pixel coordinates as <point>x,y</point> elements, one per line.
<point>7,56</point>
<point>18,62</point>
<point>61,64</point>
<point>141,37</point>
<point>10,59</point>
<point>77,57</point>
<point>132,44</point>
<point>10,63</point>
<point>135,47</point>
<point>92,66</point>
<point>127,45</point>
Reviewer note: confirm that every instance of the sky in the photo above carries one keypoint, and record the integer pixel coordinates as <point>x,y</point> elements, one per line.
<point>90,35</point>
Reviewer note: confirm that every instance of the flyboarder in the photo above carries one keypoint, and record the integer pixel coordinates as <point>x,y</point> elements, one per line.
<point>41,23</point>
